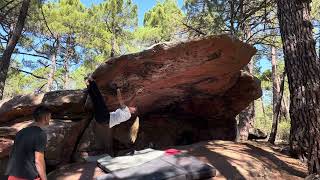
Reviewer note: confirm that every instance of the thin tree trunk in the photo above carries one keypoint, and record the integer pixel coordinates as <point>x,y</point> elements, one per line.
<point>319,44</point>
<point>6,56</point>
<point>52,72</point>
<point>246,120</point>
<point>263,109</point>
<point>53,59</point>
<point>247,116</point>
<point>66,72</point>
<point>232,13</point>
<point>277,112</point>
<point>275,95</point>
<point>264,112</point>
<point>303,71</point>
<point>113,46</point>
<point>66,64</point>
<point>285,107</point>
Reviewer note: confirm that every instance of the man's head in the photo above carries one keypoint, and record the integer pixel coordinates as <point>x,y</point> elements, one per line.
<point>42,115</point>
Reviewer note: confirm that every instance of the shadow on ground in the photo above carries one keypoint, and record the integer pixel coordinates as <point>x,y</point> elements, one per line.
<point>247,161</point>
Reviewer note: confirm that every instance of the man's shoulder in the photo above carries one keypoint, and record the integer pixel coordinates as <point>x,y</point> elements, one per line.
<point>31,130</point>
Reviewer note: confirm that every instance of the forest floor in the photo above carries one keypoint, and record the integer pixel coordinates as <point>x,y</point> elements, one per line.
<point>234,161</point>
<point>248,160</point>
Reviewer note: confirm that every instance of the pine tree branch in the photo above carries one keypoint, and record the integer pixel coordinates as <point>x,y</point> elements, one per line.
<point>194,29</point>
<point>7,4</point>
<point>3,16</point>
<point>3,27</point>
<point>35,55</point>
<point>46,23</point>
<point>5,40</point>
<point>43,64</point>
<point>41,87</point>
<point>254,10</point>
<point>30,73</point>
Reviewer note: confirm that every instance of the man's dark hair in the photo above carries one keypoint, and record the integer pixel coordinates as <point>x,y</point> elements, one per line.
<point>39,112</point>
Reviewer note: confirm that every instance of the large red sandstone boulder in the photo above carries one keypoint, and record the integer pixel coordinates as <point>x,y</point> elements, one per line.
<point>170,73</point>
<point>191,90</point>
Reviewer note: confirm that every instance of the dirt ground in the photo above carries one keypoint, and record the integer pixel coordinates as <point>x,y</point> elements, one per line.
<point>234,161</point>
<point>250,160</point>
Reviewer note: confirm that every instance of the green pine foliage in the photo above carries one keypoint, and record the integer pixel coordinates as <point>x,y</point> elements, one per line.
<point>164,22</point>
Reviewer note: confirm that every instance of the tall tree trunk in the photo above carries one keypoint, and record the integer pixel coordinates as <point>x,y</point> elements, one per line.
<point>232,14</point>
<point>68,54</point>
<point>275,95</point>
<point>66,72</point>
<point>247,116</point>
<point>285,107</point>
<point>53,59</point>
<point>263,109</point>
<point>303,70</point>
<point>113,43</point>
<point>246,120</point>
<point>6,56</point>
<point>319,47</point>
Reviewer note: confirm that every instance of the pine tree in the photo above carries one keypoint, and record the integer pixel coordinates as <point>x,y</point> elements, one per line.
<point>303,70</point>
<point>7,52</point>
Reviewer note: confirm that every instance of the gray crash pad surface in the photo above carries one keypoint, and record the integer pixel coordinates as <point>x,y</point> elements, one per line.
<point>169,167</point>
<point>109,164</point>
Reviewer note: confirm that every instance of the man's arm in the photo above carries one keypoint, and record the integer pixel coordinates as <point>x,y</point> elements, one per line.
<point>119,96</point>
<point>40,164</point>
<point>129,100</point>
<point>40,147</point>
<point>134,95</point>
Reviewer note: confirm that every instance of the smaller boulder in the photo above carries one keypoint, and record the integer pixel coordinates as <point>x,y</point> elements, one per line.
<point>5,147</point>
<point>7,132</point>
<point>255,133</point>
<point>313,177</point>
<point>63,104</point>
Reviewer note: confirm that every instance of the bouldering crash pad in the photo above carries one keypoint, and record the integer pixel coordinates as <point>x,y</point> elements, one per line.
<point>179,167</point>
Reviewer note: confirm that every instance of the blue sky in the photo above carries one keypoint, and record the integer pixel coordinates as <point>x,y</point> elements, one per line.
<point>143,6</point>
